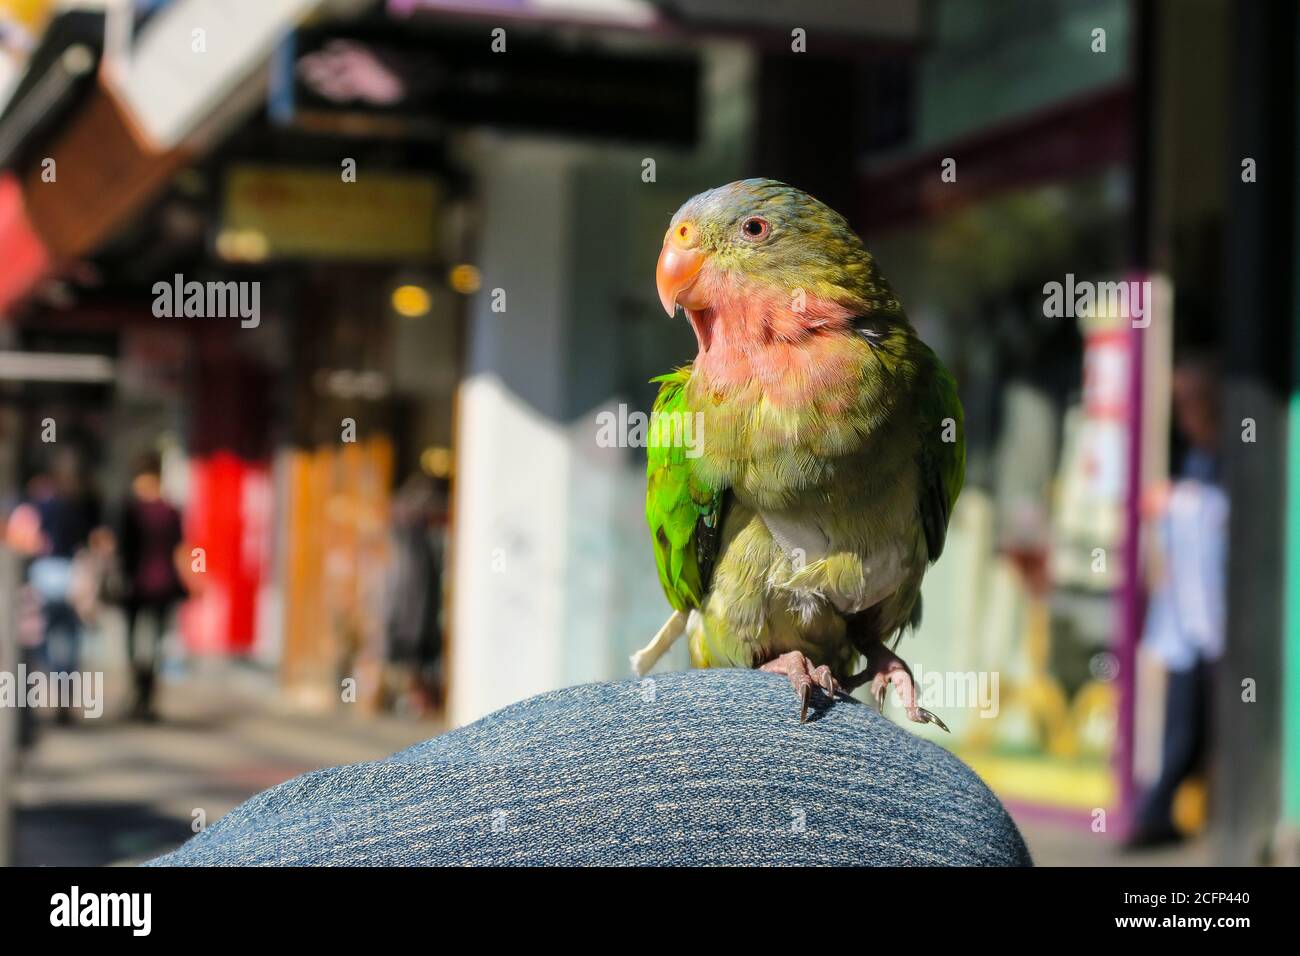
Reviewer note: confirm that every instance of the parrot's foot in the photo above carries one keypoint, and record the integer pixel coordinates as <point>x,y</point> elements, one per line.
<point>802,675</point>
<point>884,668</point>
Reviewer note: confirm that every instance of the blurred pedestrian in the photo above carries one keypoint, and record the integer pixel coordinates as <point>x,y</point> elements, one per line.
<point>68,513</point>
<point>148,541</point>
<point>414,611</point>
<point>23,537</point>
<point>1185,620</point>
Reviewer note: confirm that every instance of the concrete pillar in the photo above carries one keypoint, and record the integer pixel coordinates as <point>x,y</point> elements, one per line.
<point>513,463</point>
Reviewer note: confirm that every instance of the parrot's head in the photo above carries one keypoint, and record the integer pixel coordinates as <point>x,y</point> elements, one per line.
<point>763,253</point>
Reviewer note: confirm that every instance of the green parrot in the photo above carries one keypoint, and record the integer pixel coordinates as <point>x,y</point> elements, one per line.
<point>792,534</point>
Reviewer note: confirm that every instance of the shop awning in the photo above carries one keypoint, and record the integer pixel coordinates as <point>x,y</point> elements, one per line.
<point>153,101</point>
<point>89,201</point>
<point>166,82</point>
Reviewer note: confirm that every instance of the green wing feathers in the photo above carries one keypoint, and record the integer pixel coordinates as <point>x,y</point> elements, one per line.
<point>943,453</point>
<point>683,513</point>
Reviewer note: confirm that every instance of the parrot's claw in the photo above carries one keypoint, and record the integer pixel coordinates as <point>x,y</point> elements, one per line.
<point>885,668</point>
<point>923,716</point>
<point>802,676</point>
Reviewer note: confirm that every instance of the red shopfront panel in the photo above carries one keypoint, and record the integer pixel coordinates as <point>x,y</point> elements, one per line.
<point>23,256</point>
<point>228,519</point>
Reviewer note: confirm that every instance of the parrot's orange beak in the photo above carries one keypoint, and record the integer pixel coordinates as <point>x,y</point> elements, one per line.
<point>680,262</point>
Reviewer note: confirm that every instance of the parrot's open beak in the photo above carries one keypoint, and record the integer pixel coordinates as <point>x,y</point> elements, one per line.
<point>680,262</point>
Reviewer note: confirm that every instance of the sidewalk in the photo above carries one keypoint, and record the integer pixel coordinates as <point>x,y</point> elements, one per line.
<point>110,791</point>
<point>1052,844</point>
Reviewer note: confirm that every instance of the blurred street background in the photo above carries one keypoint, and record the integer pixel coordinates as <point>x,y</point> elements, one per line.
<point>310,311</point>
<point>115,791</point>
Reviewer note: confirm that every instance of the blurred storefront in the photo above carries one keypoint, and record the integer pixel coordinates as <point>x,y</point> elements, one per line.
<point>1026,612</point>
<point>284,430</point>
<point>356,262</point>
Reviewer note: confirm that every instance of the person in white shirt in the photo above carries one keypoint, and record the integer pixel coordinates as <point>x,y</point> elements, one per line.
<point>1185,614</point>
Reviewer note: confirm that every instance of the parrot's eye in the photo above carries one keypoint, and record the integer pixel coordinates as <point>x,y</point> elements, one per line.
<point>754,228</point>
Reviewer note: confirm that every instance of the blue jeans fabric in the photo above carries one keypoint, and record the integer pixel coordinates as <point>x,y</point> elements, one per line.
<point>700,767</point>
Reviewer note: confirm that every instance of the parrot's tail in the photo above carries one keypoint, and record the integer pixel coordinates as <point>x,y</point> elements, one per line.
<point>649,655</point>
